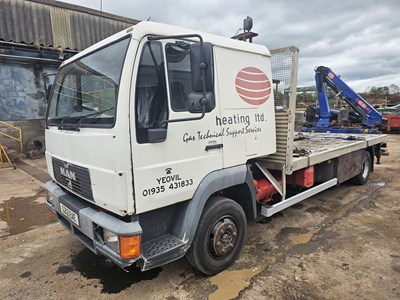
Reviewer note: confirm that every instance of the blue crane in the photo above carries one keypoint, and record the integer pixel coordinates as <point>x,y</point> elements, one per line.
<point>367,116</point>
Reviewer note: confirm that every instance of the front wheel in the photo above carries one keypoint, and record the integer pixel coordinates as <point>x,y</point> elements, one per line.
<point>363,176</point>
<point>219,237</point>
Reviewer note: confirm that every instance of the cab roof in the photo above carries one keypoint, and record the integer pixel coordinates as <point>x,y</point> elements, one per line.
<point>147,28</point>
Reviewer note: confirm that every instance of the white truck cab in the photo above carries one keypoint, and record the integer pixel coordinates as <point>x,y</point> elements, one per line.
<point>151,138</point>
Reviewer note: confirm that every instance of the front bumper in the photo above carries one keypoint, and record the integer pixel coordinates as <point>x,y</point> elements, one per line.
<point>91,222</point>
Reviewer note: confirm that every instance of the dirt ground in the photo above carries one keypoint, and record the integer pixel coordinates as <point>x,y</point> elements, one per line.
<point>341,244</point>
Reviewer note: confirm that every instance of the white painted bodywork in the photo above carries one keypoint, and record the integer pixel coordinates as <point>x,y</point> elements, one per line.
<point>123,171</point>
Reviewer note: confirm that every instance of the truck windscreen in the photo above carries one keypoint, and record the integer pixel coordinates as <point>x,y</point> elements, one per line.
<point>85,91</point>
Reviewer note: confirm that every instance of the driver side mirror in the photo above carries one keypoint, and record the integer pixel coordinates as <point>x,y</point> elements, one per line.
<point>196,65</point>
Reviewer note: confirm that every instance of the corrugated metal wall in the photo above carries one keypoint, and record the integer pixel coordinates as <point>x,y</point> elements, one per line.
<point>24,21</point>
<point>56,23</point>
<point>60,26</point>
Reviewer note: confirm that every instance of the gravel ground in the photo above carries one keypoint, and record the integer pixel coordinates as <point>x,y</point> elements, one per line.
<point>341,244</point>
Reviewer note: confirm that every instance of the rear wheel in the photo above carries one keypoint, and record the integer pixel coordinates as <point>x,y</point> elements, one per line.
<point>219,237</point>
<point>363,176</point>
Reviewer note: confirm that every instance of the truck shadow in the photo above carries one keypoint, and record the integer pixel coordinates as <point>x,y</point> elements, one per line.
<point>113,278</point>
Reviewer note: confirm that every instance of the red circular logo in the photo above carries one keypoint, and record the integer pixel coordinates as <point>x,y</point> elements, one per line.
<point>253,86</point>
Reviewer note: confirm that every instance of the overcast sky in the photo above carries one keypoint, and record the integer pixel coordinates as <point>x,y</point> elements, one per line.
<point>358,39</point>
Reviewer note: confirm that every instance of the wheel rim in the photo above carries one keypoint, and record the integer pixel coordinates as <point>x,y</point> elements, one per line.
<point>223,237</point>
<point>365,168</point>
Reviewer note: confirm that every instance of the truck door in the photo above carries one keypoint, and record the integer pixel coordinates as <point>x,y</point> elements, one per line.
<point>169,159</point>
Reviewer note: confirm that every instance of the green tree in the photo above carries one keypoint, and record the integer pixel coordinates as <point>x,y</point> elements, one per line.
<point>307,98</point>
<point>382,90</point>
<point>394,89</point>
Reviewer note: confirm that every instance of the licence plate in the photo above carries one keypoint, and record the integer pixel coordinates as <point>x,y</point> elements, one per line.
<point>69,214</point>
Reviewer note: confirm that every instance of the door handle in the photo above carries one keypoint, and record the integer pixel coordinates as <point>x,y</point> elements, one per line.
<point>214,146</point>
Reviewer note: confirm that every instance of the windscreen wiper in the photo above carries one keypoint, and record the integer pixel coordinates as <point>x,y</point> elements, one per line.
<point>78,124</point>
<point>61,119</point>
<point>75,127</point>
<point>61,124</point>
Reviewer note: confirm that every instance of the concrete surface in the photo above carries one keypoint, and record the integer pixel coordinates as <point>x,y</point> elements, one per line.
<point>341,244</point>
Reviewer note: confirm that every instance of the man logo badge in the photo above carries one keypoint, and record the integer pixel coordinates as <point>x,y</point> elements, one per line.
<point>68,174</point>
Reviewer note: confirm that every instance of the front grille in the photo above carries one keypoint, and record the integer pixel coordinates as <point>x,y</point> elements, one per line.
<point>74,178</point>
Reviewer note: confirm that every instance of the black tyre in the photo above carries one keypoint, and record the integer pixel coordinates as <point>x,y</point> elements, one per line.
<point>220,236</point>
<point>363,176</point>
<point>37,144</point>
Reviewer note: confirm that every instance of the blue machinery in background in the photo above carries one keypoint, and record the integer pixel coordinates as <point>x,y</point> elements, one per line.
<point>364,119</point>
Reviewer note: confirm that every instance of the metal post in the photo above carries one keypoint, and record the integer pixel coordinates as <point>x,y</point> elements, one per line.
<point>20,140</point>
<point>11,137</point>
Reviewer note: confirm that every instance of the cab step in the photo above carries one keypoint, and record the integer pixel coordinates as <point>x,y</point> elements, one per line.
<point>161,250</point>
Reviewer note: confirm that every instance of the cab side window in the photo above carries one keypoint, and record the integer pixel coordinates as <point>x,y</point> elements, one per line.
<point>151,93</point>
<point>179,75</point>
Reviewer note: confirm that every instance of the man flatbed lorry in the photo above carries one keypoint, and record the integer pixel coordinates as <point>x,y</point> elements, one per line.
<point>161,142</point>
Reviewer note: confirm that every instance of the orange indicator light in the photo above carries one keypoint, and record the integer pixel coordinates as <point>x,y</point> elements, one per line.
<point>129,246</point>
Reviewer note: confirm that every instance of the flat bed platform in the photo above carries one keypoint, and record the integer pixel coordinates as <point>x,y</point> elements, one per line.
<point>310,149</point>
<point>315,148</point>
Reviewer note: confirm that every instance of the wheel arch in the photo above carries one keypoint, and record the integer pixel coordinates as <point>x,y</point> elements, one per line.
<point>243,195</point>
<point>235,183</point>
<point>372,153</point>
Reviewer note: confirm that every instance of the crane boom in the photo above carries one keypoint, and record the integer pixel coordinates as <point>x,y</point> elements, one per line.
<point>370,116</point>
<point>365,115</point>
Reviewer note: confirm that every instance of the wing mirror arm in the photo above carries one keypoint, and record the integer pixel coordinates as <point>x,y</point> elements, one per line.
<point>203,103</point>
<point>206,85</point>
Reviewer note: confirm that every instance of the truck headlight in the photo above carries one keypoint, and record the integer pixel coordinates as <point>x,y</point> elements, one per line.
<point>126,246</point>
<point>111,240</point>
<point>50,197</point>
